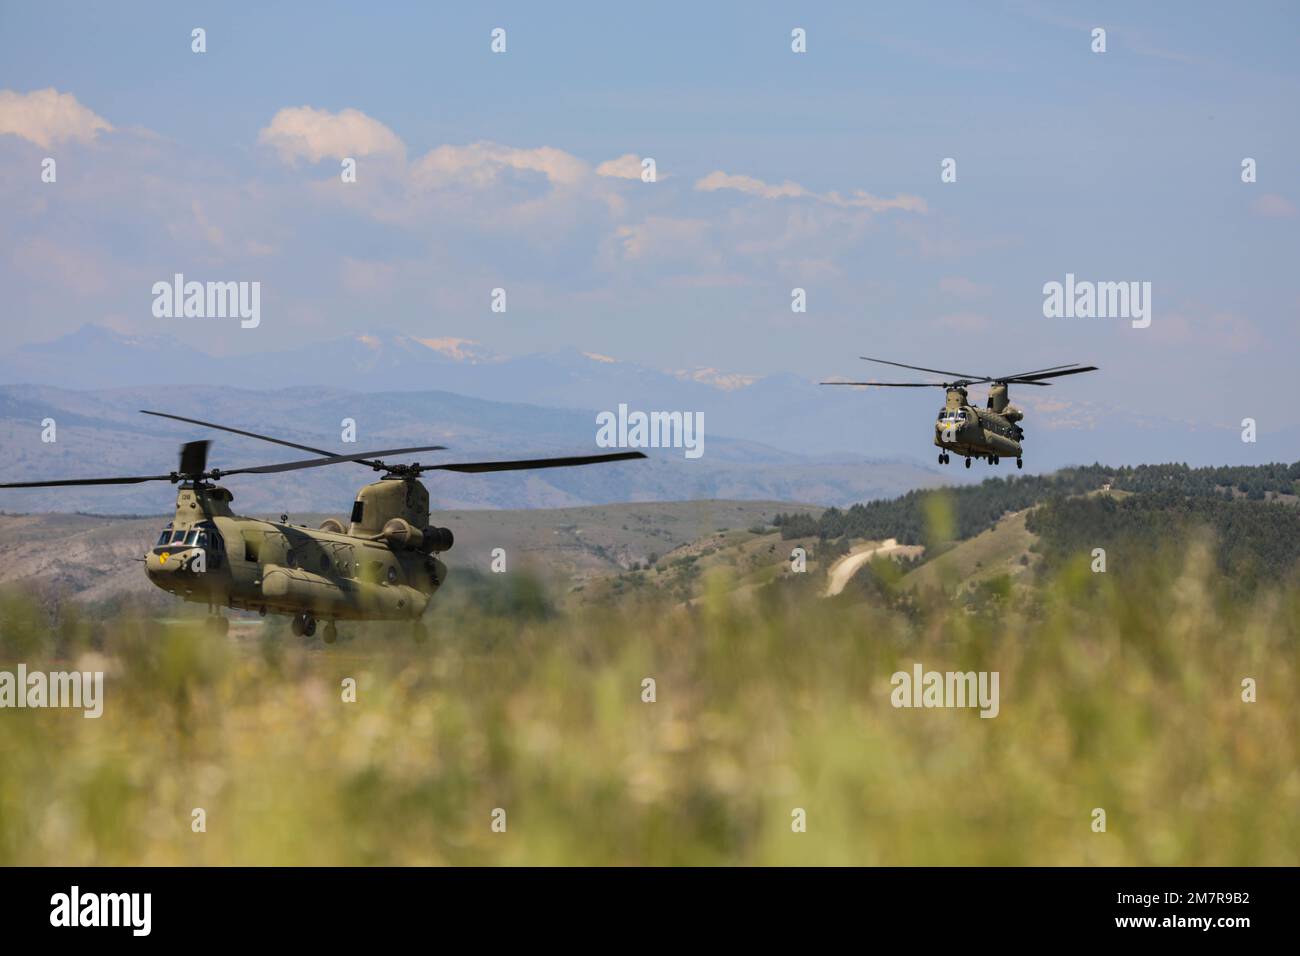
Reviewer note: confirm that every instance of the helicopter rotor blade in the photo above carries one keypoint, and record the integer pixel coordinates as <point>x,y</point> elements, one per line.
<point>318,462</point>
<point>936,371</point>
<point>1033,378</point>
<point>194,457</point>
<point>248,434</point>
<point>893,384</point>
<point>479,467</point>
<point>66,482</point>
<point>1003,378</point>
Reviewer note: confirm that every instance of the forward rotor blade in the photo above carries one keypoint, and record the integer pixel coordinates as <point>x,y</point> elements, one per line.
<point>248,434</point>
<point>479,467</point>
<point>892,384</point>
<point>194,457</point>
<point>936,371</point>
<point>318,462</point>
<point>64,482</point>
<point>238,431</point>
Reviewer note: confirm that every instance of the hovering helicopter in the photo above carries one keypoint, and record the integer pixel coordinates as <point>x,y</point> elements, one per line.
<point>382,566</point>
<point>972,432</point>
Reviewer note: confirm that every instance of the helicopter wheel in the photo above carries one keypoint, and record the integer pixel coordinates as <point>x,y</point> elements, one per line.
<point>967,462</point>
<point>331,633</point>
<point>308,625</point>
<point>1020,463</point>
<point>295,625</point>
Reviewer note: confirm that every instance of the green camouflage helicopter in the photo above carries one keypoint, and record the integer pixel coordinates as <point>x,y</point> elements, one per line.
<point>989,433</point>
<point>382,566</point>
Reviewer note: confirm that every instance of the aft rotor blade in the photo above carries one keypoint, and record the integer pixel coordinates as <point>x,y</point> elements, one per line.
<point>317,462</point>
<point>893,384</point>
<point>936,371</point>
<point>1032,379</point>
<point>65,482</point>
<point>478,467</point>
<point>1036,371</point>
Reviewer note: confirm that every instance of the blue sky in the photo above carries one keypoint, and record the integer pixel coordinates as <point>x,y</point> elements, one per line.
<point>776,170</point>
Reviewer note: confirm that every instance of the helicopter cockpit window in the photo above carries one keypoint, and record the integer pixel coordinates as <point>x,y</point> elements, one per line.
<point>178,536</point>
<point>357,508</point>
<point>164,537</point>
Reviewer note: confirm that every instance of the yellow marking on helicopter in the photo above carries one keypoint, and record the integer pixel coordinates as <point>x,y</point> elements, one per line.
<point>162,558</point>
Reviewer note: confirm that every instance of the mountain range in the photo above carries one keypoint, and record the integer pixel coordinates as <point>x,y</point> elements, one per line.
<point>773,437</point>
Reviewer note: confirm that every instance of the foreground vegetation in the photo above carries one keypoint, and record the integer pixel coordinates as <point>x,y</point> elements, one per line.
<point>1119,691</point>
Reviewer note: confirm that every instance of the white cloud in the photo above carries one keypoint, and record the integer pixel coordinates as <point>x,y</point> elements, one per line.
<point>47,117</point>
<point>858,199</point>
<point>627,166</point>
<point>301,132</point>
<point>748,184</point>
<point>480,164</point>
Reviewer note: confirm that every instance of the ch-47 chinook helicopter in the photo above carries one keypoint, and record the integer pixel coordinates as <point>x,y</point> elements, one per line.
<point>383,566</point>
<point>988,433</point>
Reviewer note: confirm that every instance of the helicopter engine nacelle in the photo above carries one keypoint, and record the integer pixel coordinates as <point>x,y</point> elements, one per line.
<point>402,535</point>
<point>333,525</point>
<point>438,539</point>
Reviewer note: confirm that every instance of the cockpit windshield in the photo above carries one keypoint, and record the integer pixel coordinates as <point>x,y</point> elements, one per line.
<point>196,537</point>
<point>952,415</point>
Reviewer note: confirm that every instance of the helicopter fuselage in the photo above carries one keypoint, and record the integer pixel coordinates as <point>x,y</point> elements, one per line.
<point>973,432</point>
<point>382,568</point>
<point>977,433</point>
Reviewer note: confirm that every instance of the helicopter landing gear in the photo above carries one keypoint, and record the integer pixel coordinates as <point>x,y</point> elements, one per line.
<point>967,462</point>
<point>994,459</point>
<point>303,625</point>
<point>943,458</point>
<point>331,633</point>
<point>1020,463</point>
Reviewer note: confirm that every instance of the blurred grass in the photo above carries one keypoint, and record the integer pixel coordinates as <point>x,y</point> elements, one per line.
<point>1117,691</point>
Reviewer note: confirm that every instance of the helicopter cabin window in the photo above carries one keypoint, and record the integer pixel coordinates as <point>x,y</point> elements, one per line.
<point>358,507</point>
<point>252,548</point>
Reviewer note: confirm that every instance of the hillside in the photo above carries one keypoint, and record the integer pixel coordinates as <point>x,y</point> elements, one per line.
<point>97,558</point>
